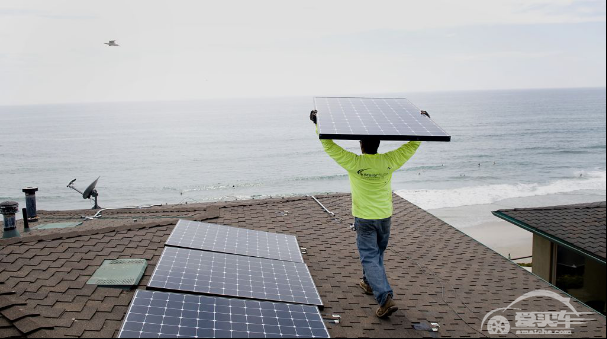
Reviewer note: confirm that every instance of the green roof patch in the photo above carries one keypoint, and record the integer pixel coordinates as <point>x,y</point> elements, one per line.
<point>58,225</point>
<point>119,272</point>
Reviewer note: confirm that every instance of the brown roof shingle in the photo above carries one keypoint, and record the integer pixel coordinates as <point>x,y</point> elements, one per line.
<point>438,273</point>
<point>581,226</point>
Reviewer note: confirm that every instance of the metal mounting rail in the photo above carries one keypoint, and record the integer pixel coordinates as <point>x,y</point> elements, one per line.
<point>321,205</point>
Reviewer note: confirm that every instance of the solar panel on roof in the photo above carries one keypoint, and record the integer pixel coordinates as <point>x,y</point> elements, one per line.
<point>384,118</point>
<point>161,314</point>
<point>227,239</point>
<point>188,270</point>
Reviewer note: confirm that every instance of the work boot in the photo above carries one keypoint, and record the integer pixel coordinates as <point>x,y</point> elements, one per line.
<point>387,309</point>
<point>366,288</point>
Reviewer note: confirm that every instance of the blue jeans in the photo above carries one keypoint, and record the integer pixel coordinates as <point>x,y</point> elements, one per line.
<point>372,240</point>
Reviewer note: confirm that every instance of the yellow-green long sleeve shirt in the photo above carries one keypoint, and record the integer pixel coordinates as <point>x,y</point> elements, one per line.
<point>371,177</point>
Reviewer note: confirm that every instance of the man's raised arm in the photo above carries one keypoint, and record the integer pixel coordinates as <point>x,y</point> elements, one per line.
<point>401,155</point>
<point>343,158</point>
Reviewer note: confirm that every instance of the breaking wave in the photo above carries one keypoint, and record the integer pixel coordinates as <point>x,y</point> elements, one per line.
<point>478,195</point>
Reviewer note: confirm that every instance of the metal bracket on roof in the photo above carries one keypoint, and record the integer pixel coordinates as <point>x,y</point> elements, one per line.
<point>282,213</point>
<point>304,250</point>
<point>336,219</point>
<point>97,215</point>
<point>333,319</point>
<point>427,327</point>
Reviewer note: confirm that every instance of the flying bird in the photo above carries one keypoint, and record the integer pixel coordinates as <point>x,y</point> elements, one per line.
<point>111,43</point>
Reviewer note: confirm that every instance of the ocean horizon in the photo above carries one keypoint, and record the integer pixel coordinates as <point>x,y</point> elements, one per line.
<point>505,144</point>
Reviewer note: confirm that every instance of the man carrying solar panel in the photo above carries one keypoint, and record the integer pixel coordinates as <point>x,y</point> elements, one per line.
<point>370,180</point>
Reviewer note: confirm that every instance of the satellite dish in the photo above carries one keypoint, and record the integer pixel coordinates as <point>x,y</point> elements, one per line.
<point>90,190</point>
<point>89,193</point>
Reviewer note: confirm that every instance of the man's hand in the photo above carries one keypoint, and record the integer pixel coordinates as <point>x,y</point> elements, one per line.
<point>313,116</point>
<point>426,114</point>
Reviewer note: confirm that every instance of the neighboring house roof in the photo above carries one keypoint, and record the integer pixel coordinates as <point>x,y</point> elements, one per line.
<point>438,273</point>
<point>580,227</point>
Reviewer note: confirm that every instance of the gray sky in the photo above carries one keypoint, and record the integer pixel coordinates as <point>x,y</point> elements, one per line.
<point>53,51</point>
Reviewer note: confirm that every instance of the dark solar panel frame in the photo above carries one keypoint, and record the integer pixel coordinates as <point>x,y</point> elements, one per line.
<point>181,269</point>
<point>235,240</point>
<point>161,314</point>
<point>354,118</point>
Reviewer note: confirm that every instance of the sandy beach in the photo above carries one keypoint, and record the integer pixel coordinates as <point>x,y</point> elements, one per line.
<point>499,235</point>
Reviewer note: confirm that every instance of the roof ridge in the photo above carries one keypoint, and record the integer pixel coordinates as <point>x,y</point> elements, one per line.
<point>270,201</point>
<point>126,211</point>
<point>210,213</point>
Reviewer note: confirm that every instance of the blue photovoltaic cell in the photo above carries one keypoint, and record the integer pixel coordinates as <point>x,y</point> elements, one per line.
<point>234,240</point>
<point>384,118</point>
<point>204,272</point>
<point>172,315</point>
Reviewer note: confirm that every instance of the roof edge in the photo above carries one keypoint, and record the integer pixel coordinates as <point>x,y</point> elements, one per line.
<point>552,238</point>
<point>592,205</point>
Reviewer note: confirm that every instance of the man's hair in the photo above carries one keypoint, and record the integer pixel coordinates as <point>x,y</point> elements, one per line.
<point>370,145</point>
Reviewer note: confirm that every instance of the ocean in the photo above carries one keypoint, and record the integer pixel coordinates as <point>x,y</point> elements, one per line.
<point>505,145</point>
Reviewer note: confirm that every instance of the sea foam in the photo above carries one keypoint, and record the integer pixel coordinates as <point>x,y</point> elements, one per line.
<point>487,194</point>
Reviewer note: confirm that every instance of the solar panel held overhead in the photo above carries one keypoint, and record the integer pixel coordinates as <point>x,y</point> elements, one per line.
<point>354,118</point>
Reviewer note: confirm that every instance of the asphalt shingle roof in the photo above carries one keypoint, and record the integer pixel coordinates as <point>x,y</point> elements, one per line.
<point>439,274</point>
<point>582,225</point>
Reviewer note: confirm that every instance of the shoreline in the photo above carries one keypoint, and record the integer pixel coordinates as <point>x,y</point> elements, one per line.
<point>507,239</point>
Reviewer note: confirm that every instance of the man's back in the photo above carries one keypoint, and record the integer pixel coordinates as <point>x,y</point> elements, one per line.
<point>371,177</point>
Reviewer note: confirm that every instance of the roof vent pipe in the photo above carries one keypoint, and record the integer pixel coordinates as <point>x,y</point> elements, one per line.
<point>8,210</point>
<point>26,225</point>
<point>30,203</point>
